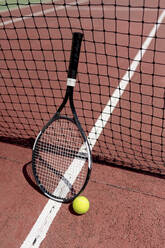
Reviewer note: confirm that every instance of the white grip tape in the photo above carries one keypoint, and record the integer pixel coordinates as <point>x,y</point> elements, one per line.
<point>71,82</point>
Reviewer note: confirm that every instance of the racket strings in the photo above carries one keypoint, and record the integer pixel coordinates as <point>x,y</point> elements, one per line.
<point>61,159</point>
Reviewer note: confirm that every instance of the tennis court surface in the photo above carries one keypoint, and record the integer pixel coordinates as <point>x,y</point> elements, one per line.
<point>120,100</point>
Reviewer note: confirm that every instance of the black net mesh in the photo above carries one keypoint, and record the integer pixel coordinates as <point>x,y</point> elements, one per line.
<point>120,79</point>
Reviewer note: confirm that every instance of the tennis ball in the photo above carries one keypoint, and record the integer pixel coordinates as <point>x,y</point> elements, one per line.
<point>80,205</point>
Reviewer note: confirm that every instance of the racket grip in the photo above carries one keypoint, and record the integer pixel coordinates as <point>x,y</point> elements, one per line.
<point>75,53</point>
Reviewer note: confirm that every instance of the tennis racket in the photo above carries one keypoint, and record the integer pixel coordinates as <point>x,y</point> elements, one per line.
<point>61,157</point>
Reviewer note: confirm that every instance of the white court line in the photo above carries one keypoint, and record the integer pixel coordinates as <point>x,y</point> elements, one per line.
<point>41,227</point>
<point>40,13</point>
<point>113,101</point>
<point>117,8</point>
<point>26,6</point>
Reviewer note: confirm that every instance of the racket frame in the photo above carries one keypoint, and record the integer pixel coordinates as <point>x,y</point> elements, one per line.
<point>71,80</point>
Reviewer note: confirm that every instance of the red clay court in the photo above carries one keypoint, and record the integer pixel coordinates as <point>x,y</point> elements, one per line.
<point>120,100</point>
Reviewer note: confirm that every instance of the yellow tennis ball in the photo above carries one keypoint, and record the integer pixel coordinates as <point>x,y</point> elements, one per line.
<point>80,205</point>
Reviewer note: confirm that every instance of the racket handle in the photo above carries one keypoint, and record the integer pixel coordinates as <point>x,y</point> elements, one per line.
<point>75,53</point>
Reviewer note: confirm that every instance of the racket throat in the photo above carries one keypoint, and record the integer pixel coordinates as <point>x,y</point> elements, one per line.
<point>68,95</point>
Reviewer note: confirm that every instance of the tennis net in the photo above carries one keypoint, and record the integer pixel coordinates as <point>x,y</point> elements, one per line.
<point>121,74</point>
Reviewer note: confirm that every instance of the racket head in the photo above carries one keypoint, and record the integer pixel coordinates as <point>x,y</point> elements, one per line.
<point>61,159</point>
